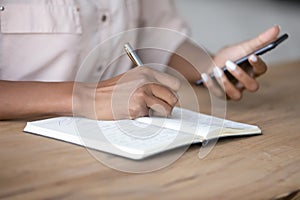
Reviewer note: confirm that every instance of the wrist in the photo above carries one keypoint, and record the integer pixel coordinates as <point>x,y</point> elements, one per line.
<point>61,100</point>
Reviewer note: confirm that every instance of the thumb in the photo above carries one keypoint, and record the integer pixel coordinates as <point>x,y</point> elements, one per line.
<point>261,40</point>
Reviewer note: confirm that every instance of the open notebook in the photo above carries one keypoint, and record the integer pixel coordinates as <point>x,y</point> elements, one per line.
<point>143,137</point>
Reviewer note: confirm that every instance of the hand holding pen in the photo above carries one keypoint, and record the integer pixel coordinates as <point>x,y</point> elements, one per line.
<point>155,93</point>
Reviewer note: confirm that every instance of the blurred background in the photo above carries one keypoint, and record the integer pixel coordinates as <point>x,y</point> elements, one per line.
<point>217,23</point>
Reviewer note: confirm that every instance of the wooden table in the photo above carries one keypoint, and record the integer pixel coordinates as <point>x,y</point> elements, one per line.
<point>260,167</point>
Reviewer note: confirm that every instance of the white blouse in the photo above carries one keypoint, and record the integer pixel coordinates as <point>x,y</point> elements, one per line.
<point>49,40</point>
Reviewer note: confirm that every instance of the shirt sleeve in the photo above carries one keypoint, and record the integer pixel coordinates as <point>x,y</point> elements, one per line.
<point>163,28</point>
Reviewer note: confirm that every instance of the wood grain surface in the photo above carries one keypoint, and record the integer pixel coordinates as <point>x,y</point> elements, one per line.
<point>259,167</point>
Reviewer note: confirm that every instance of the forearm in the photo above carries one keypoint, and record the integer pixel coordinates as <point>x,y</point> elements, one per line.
<point>190,61</point>
<point>31,99</point>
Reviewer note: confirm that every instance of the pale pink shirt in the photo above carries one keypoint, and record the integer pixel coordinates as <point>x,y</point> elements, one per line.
<point>48,40</point>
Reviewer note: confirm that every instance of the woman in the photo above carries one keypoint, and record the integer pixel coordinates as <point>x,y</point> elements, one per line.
<point>43,43</point>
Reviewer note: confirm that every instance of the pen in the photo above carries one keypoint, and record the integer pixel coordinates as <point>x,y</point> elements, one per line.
<point>132,55</point>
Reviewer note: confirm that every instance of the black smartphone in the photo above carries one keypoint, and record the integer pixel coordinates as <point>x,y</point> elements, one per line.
<point>243,62</point>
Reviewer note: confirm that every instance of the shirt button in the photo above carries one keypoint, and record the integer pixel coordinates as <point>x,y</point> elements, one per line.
<point>2,8</point>
<point>103,18</point>
<point>99,68</point>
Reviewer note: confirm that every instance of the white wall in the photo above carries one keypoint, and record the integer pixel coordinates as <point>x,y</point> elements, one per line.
<point>216,23</point>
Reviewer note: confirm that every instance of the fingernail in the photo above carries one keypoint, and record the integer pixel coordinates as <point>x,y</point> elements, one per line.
<point>239,85</point>
<point>253,58</point>
<point>231,65</point>
<point>278,26</point>
<point>204,77</point>
<point>175,99</point>
<point>218,72</point>
<point>237,96</point>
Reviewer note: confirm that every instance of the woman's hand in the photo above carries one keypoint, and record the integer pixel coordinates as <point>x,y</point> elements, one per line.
<point>137,93</point>
<point>246,80</point>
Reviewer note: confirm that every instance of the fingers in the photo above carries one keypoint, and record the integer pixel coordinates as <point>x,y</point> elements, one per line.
<point>167,80</point>
<point>230,89</point>
<point>152,98</point>
<point>245,79</point>
<point>211,86</point>
<point>160,100</point>
<point>142,91</point>
<point>153,76</point>
<point>164,93</point>
<point>159,107</point>
<point>261,40</point>
<point>161,97</point>
<point>258,65</point>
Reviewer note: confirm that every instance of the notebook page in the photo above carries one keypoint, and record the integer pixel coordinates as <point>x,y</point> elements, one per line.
<point>200,124</point>
<point>181,120</point>
<point>126,138</point>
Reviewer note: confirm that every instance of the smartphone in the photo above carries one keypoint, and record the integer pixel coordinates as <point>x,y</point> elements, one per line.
<point>243,62</point>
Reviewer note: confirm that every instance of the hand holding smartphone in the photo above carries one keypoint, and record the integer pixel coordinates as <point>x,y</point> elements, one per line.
<point>244,60</point>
